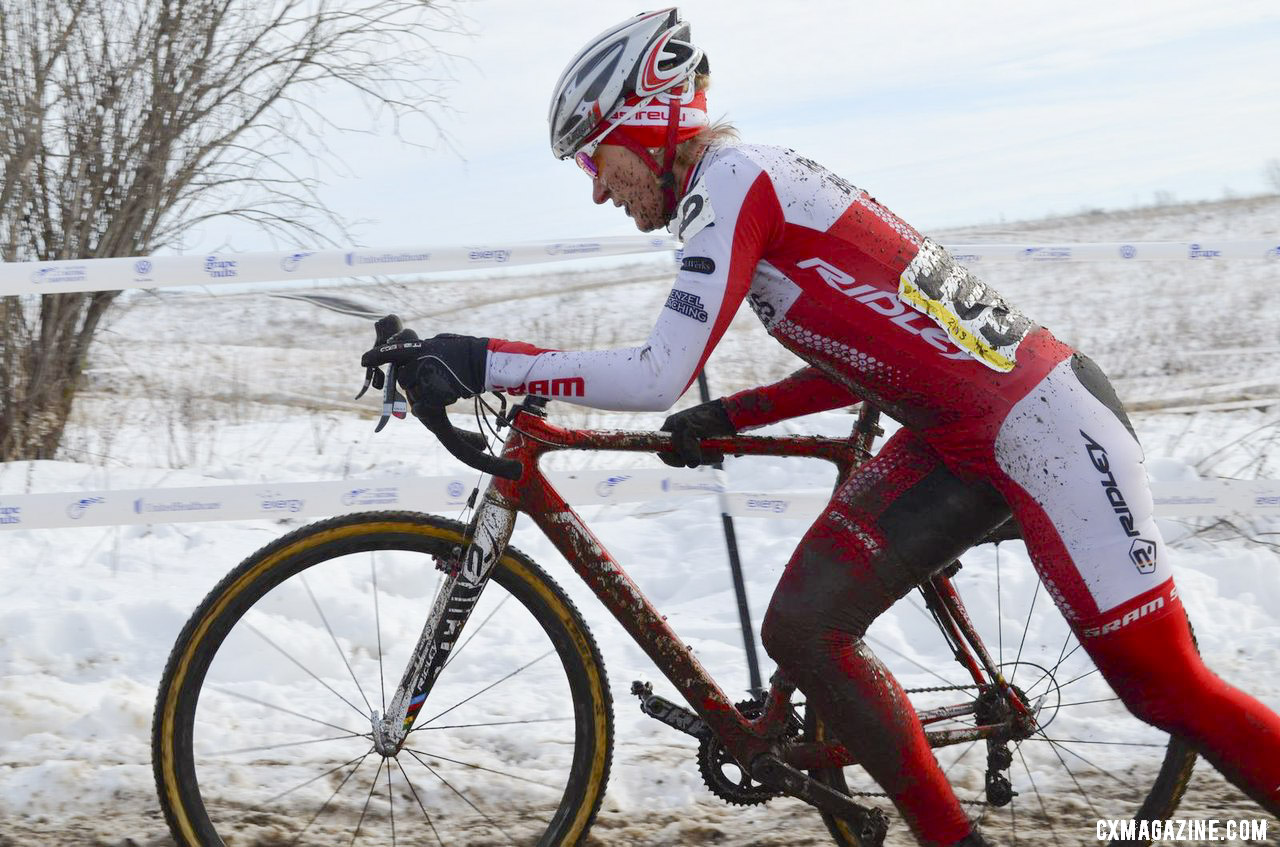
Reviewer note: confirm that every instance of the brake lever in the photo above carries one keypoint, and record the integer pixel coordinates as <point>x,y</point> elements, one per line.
<point>372,376</point>
<point>393,402</point>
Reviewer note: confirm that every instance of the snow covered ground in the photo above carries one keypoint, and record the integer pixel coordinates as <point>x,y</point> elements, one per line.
<point>192,389</point>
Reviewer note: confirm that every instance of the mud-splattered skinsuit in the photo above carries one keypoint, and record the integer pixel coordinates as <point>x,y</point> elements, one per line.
<point>997,415</point>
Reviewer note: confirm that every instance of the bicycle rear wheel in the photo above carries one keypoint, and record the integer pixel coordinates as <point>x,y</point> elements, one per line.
<point>262,731</point>
<point>1088,760</point>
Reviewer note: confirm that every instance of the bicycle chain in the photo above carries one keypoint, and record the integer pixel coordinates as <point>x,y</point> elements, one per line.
<point>926,691</point>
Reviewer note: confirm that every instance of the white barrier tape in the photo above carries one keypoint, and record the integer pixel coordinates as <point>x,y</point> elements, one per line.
<point>222,268</point>
<point>1113,251</point>
<point>1201,498</point>
<point>315,499</point>
<point>311,499</point>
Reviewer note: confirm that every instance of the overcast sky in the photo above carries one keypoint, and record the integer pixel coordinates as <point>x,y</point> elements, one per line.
<point>949,113</point>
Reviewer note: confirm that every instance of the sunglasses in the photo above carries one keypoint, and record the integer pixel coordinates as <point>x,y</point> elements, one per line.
<point>587,163</point>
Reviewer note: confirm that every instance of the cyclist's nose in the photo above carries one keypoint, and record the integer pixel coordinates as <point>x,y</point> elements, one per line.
<point>598,191</point>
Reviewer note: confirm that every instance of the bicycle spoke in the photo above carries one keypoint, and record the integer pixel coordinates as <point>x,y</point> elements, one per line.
<point>305,783</point>
<point>377,629</point>
<point>1039,797</point>
<point>1088,702</point>
<point>326,803</point>
<point>1061,660</point>
<point>473,631</point>
<point>295,714</point>
<point>391,806</point>
<point>282,745</point>
<point>492,685</point>
<point>999,609</point>
<point>414,792</point>
<point>373,786</point>
<point>1026,626</point>
<point>1055,747</point>
<point>541,783</point>
<point>1109,743</point>
<point>304,668</point>
<point>462,796</point>
<point>341,653</point>
<point>490,723</point>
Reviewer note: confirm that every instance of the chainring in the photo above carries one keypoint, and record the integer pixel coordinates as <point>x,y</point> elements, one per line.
<point>722,774</point>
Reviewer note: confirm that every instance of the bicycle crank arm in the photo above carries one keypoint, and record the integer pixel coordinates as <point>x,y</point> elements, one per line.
<point>672,714</point>
<point>869,824</point>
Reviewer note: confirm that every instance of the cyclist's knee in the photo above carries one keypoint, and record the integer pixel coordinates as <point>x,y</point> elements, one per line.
<point>818,600</point>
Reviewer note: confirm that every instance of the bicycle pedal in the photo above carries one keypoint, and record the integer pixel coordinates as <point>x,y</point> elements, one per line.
<point>672,714</point>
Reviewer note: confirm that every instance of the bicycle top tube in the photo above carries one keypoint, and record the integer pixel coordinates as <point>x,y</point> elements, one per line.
<point>533,435</point>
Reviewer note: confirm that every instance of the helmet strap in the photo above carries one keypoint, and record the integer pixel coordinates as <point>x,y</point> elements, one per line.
<point>665,172</point>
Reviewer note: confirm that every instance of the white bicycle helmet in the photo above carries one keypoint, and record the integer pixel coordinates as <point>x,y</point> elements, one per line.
<point>641,57</point>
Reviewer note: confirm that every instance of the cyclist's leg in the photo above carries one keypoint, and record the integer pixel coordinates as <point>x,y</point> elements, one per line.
<point>1080,494</point>
<point>901,516</point>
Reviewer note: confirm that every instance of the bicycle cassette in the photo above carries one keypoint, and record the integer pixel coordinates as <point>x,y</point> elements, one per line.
<point>722,774</point>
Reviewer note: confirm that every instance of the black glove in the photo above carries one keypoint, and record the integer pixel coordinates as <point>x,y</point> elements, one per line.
<point>705,421</point>
<point>436,371</point>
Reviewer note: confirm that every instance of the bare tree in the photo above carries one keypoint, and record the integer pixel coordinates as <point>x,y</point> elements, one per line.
<point>124,123</point>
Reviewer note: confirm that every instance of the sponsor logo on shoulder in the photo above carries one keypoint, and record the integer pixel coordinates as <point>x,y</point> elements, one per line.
<point>698,264</point>
<point>689,305</point>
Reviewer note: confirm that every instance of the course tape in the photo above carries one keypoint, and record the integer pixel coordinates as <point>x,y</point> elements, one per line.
<point>222,268</point>
<point>225,268</point>
<point>451,493</point>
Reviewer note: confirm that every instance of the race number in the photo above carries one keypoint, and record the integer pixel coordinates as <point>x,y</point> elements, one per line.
<point>973,313</point>
<point>694,213</point>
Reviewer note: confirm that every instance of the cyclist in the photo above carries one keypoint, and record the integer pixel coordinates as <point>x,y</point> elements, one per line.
<point>998,416</point>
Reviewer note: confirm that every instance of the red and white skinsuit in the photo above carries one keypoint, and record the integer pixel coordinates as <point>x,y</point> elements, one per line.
<point>997,415</point>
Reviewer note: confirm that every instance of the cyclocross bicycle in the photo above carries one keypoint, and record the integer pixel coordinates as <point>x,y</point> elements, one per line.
<point>306,701</point>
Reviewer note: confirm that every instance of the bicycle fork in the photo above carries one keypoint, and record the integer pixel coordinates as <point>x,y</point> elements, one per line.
<point>453,605</point>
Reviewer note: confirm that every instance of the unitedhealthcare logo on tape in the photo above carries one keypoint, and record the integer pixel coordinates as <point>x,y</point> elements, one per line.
<point>379,496</point>
<point>61,274</point>
<point>1047,254</point>
<point>571,248</point>
<point>669,484</point>
<point>10,514</point>
<point>143,506</point>
<point>386,258</point>
<point>275,501</point>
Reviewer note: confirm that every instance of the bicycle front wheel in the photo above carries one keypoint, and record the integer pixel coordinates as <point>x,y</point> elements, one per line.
<point>263,723</point>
